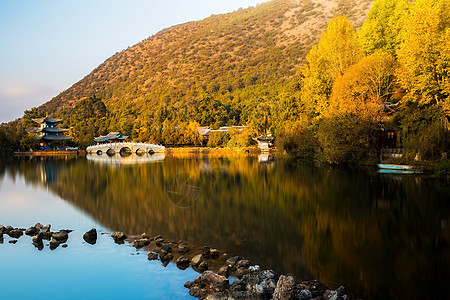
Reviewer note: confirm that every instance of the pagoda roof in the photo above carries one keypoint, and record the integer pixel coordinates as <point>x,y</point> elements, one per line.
<point>53,137</point>
<point>112,136</point>
<point>47,120</point>
<point>48,129</point>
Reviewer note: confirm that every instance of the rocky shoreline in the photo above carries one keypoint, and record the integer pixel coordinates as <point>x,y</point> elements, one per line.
<point>221,276</point>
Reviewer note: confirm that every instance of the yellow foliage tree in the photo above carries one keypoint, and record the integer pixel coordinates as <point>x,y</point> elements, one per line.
<point>424,54</point>
<point>364,88</point>
<point>337,50</point>
<point>382,27</point>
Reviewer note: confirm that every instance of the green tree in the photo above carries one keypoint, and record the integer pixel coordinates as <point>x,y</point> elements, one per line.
<point>297,138</point>
<point>381,29</point>
<point>218,139</point>
<point>346,139</point>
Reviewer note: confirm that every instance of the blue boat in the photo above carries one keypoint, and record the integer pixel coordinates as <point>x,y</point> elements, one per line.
<point>397,169</point>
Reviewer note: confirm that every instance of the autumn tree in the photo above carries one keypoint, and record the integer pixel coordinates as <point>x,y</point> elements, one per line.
<point>297,138</point>
<point>337,50</point>
<point>346,138</point>
<point>365,87</point>
<point>382,27</point>
<point>424,54</point>
<point>424,57</point>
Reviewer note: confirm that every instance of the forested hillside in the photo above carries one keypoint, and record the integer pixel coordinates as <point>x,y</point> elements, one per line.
<point>331,79</point>
<point>227,69</point>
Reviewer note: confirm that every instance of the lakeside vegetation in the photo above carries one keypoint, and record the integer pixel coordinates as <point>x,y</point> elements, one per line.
<point>328,84</point>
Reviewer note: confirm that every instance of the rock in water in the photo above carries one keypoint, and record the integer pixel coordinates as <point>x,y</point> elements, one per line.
<point>91,236</point>
<point>196,260</point>
<point>182,262</point>
<point>224,270</point>
<point>54,244</point>
<point>233,260</point>
<point>214,253</point>
<point>37,240</point>
<point>203,266</point>
<point>166,248</point>
<point>15,233</point>
<point>183,249</point>
<point>284,289</point>
<point>119,236</point>
<point>32,231</point>
<point>61,236</point>
<point>152,256</point>
<point>141,243</point>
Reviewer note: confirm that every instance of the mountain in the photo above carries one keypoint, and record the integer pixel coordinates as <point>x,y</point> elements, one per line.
<point>225,69</point>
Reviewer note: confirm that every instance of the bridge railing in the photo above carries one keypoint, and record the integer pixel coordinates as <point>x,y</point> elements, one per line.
<point>122,144</point>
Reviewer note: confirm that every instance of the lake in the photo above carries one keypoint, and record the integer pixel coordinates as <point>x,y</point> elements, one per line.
<point>383,236</point>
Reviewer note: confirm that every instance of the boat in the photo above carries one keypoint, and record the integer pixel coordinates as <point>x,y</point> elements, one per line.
<point>398,169</point>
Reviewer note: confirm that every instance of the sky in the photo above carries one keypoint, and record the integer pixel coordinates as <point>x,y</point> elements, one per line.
<point>48,45</point>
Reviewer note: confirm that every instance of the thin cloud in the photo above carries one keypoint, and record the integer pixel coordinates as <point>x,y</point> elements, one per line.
<point>18,97</point>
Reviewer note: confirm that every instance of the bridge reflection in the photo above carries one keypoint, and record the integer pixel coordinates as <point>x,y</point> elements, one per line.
<point>126,160</point>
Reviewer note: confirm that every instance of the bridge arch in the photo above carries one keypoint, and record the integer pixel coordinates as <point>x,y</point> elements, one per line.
<point>99,152</point>
<point>125,151</point>
<point>140,151</point>
<point>111,152</point>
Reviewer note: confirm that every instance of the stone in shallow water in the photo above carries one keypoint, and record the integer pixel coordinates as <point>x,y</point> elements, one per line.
<point>152,256</point>
<point>54,244</point>
<point>166,248</point>
<point>15,233</point>
<point>118,236</point>
<point>196,260</point>
<point>284,289</point>
<point>61,236</point>
<point>166,257</point>
<point>214,253</point>
<point>203,266</point>
<point>224,270</point>
<point>304,295</point>
<point>233,260</point>
<point>183,249</point>
<point>183,261</point>
<point>90,236</point>
<point>141,243</point>
<point>32,231</point>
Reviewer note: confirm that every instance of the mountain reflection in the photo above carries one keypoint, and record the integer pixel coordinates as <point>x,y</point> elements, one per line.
<point>383,236</point>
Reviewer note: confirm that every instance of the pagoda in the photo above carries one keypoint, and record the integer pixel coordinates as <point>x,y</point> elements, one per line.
<point>48,132</point>
<point>112,137</point>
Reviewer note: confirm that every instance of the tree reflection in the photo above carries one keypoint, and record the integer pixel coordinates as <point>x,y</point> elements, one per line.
<point>380,235</point>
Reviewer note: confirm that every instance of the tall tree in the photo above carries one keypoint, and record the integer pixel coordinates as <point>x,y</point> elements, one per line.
<point>337,50</point>
<point>365,87</point>
<point>382,27</point>
<point>424,54</point>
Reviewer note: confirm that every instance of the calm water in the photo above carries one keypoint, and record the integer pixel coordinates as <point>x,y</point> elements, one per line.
<point>382,236</point>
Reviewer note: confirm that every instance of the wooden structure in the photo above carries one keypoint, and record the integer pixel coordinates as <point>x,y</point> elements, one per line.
<point>47,132</point>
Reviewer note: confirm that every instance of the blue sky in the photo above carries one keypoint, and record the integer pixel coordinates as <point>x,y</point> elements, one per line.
<point>48,45</point>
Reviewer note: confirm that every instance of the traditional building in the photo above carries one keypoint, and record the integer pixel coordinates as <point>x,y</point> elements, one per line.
<point>112,137</point>
<point>47,132</point>
<point>265,142</point>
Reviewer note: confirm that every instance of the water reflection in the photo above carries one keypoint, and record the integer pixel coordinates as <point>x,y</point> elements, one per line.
<point>126,159</point>
<point>379,234</point>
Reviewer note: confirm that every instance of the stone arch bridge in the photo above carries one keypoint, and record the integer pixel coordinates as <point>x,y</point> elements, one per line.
<point>112,149</point>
